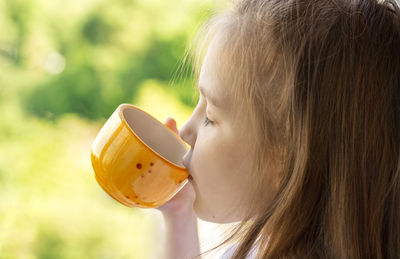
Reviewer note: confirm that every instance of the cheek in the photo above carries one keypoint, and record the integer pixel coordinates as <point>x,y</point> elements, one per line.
<point>220,170</point>
<point>205,164</point>
<point>218,155</point>
<point>210,151</point>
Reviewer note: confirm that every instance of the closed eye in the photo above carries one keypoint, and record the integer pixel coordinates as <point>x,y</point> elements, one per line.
<point>207,121</point>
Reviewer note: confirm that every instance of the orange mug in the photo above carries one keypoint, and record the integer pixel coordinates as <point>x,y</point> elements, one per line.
<point>137,160</point>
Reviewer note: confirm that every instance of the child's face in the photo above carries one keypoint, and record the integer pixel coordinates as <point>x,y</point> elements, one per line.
<point>220,156</point>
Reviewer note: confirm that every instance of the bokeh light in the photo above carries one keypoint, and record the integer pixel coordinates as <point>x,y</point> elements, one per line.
<point>64,67</point>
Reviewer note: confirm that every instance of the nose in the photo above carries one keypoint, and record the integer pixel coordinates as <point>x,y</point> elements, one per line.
<point>188,132</point>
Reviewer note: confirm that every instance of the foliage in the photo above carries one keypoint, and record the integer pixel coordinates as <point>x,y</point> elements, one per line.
<point>64,67</point>
<point>97,60</point>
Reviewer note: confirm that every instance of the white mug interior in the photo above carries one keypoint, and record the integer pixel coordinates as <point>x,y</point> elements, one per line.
<point>155,135</point>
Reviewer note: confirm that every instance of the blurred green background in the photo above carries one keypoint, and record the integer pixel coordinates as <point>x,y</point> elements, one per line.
<point>64,68</point>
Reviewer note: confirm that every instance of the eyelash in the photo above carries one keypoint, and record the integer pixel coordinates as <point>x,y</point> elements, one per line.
<point>207,121</point>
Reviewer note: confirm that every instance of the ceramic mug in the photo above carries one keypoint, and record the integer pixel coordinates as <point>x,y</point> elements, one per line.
<point>137,160</point>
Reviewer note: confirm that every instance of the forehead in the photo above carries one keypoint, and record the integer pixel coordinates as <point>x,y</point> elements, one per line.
<point>213,81</point>
<point>216,78</point>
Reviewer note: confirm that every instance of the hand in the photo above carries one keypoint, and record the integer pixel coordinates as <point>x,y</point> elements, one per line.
<point>182,202</point>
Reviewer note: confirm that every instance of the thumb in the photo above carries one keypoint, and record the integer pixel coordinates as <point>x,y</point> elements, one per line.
<point>171,123</point>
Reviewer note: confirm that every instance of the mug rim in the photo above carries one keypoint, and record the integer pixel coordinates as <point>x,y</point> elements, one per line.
<point>123,106</point>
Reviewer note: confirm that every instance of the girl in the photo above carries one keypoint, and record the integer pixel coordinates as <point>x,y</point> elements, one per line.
<point>297,132</point>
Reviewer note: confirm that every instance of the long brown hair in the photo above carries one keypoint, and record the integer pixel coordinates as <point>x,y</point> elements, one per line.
<point>319,81</point>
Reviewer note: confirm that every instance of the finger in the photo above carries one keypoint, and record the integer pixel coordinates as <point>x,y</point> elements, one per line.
<point>171,123</point>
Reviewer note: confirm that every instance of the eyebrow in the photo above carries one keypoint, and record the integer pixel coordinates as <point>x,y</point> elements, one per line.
<point>209,97</point>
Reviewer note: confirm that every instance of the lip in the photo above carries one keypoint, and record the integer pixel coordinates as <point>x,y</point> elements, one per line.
<point>186,162</point>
